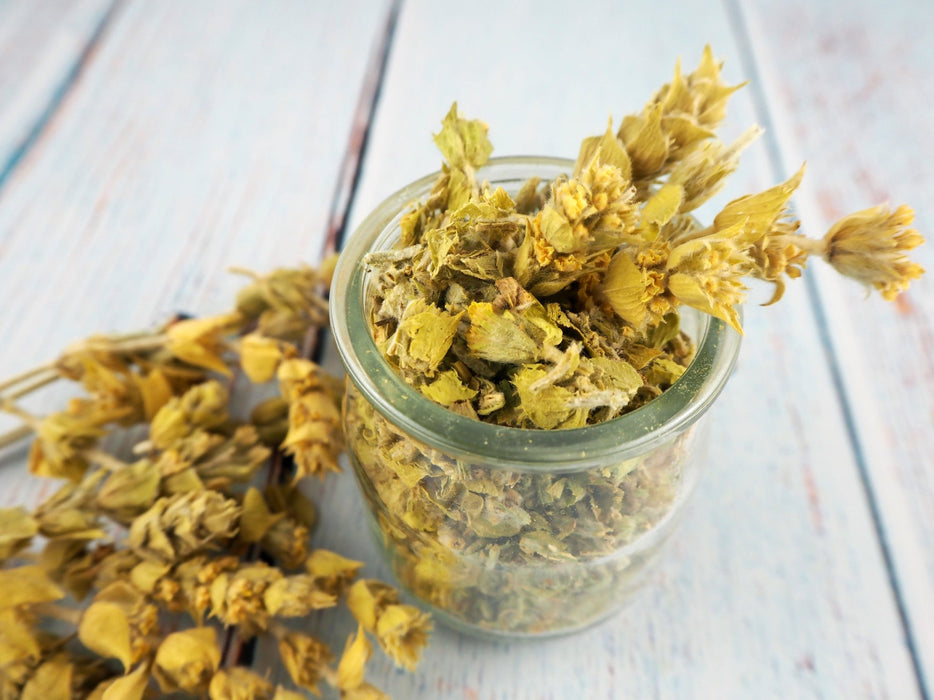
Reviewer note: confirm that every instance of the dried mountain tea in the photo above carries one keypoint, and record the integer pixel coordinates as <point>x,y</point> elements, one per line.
<point>558,303</point>
<point>178,529</point>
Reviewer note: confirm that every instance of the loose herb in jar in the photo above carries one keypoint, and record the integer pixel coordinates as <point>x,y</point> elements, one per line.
<point>556,304</point>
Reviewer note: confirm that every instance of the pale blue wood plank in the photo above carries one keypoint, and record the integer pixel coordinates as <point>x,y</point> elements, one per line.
<point>852,92</point>
<point>200,136</point>
<point>42,47</point>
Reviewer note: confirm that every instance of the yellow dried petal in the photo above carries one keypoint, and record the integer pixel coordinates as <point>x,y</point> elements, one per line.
<point>366,599</point>
<point>759,211</point>
<point>869,247</point>
<point>305,658</point>
<point>663,205</point>
<point>51,681</point>
<point>402,631</point>
<point>260,356</point>
<point>129,687</point>
<point>357,652</point>
<point>26,585</point>
<point>17,528</point>
<point>105,630</point>
<point>646,143</point>
<point>256,518</point>
<point>463,142</point>
<point>238,683</point>
<point>624,286</point>
<point>155,391</point>
<point>187,660</point>
<point>199,341</point>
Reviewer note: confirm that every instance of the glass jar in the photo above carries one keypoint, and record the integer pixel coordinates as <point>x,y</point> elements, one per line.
<point>507,531</point>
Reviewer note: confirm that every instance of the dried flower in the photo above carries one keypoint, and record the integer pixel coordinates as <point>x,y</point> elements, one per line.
<point>368,598</point>
<point>238,597</point>
<point>17,529</point>
<point>239,683</point>
<point>357,652</point>
<point>260,356</point>
<point>204,406</point>
<point>305,658</point>
<point>870,246</point>
<point>187,660</point>
<point>296,596</point>
<point>314,419</point>
<point>332,572</point>
<point>118,623</point>
<point>200,341</point>
<point>184,524</point>
<point>402,632</point>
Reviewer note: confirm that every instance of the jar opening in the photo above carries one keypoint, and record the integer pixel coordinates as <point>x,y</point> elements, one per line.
<point>594,445</point>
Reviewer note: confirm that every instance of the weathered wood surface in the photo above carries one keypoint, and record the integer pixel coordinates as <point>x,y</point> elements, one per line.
<point>198,136</point>
<point>851,92</point>
<point>43,46</point>
<point>203,135</point>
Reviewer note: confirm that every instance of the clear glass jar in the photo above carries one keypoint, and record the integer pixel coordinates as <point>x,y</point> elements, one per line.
<point>507,531</point>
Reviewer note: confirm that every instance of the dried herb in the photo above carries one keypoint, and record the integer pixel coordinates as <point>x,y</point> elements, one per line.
<point>176,529</point>
<point>558,306</point>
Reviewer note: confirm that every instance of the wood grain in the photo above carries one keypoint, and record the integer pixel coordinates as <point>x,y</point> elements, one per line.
<point>852,93</point>
<point>42,45</point>
<point>199,136</point>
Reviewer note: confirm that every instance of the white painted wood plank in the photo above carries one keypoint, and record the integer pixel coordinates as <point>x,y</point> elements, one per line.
<point>852,92</point>
<point>200,136</point>
<point>778,586</point>
<point>40,46</point>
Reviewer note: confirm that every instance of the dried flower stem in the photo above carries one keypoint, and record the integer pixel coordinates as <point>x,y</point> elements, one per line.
<point>135,343</point>
<point>15,435</point>
<point>105,459</point>
<point>31,387</point>
<point>28,374</point>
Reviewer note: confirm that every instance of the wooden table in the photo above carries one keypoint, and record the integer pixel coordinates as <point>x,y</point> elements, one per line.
<point>147,146</point>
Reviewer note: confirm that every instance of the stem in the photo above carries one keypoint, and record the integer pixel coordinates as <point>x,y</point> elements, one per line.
<point>29,388</point>
<point>28,374</point>
<point>7,406</point>
<point>243,271</point>
<point>104,459</point>
<point>15,435</point>
<point>135,343</point>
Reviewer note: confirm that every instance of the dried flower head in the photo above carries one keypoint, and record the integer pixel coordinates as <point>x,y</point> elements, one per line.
<point>305,658</point>
<point>187,660</point>
<point>870,246</point>
<point>402,632</point>
<point>118,624</point>
<point>184,524</point>
<point>239,683</point>
<point>204,406</point>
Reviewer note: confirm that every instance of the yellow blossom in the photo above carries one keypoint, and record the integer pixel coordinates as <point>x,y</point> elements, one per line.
<point>200,341</point>
<point>870,246</point>
<point>187,660</point>
<point>402,631</point>
<point>305,658</point>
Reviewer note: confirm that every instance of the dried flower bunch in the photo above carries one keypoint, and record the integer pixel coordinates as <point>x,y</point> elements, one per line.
<point>143,561</point>
<point>558,305</point>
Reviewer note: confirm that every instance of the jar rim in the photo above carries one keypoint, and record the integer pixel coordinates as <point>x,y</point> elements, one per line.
<point>629,435</point>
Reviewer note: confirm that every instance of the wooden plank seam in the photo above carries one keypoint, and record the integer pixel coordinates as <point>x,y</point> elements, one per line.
<point>781,172</point>
<point>281,467</point>
<point>68,82</point>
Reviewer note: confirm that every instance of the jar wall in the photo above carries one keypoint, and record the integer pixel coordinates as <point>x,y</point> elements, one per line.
<point>514,551</point>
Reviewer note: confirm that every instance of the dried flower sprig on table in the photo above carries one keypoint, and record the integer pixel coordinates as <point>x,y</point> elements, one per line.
<point>174,531</point>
